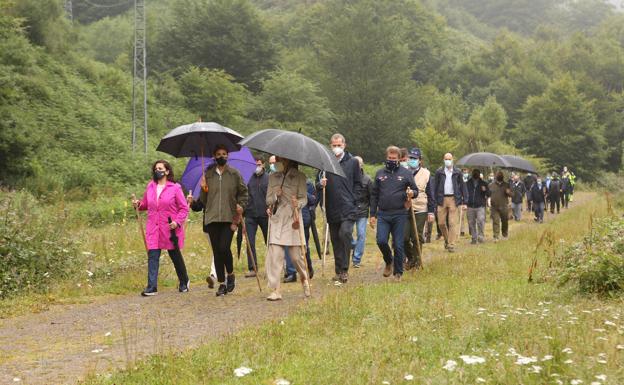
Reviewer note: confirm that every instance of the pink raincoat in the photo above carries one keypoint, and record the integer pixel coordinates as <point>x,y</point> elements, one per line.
<point>171,203</point>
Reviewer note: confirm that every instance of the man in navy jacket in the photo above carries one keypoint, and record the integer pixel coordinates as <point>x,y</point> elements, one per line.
<point>393,191</point>
<point>451,194</point>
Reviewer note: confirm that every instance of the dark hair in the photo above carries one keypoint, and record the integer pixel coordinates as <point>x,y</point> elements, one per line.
<point>403,152</point>
<point>261,159</point>
<point>167,167</point>
<point>476,171</point>
<point>219,147</point>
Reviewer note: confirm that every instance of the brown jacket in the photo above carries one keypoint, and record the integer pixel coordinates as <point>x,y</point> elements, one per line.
<point>224,193</point>
<point>500,195</point>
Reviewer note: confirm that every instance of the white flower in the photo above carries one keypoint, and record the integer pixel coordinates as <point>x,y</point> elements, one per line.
<point>609,323</point>
<point>16,379</point>
<point>408,377</point>
<point>282,381</point>
<point>601,377</point>
<point>576,382</point>
<point>481,380</point>
<point>108,334</point>
<point>471,360</point>
<point>568,362</point>
<point>595,383</point>
<point>242,371</point>
<point>535,369</point>
<point>385,382</point>
<point>599,330</point>
<point>90,274</point>
<point>97,351</point>
<point>481,309</point>
<point>547,357</point>
<point>567,350</point>
<point>548,337</point>
<point>414,339</point>
<point>601,361</point>
<point>450,365</point>
<point>525,360</point>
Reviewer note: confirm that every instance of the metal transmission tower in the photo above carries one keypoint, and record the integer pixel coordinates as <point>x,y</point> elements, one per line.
<point>139,78</point>
<point>69,10</point>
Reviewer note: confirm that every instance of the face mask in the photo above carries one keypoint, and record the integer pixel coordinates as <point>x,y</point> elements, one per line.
<point>448,162</point>
<point>404,164</point>
<point>259,170</point>
<point>272,167</point>
<point>158,175</point>
<point>539,181</point>
<point>499,178</point>
<point>392,164</point>
<point>476,176</point>
<point>337,150</point>
<point>279,167</point>
<point>413,163</point>
<point>221,161</point>
<point>466,176</point>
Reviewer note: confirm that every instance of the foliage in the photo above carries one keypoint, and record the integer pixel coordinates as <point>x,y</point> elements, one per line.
<point>596,265</point>
<point>433,145</point>
<point>35,247</point>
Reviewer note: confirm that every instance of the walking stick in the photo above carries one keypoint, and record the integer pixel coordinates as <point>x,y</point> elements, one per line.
<point>140,222</point>
<point>304,248</point>
<point>325,243</point>
<point>418,246</point>
<point>461,216</point>
<point>250,254</point>
<point>325,246</point>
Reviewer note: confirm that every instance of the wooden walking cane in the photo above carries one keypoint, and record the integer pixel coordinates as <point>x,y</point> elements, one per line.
<point>304,248</point>
<point>418,245</point>
<point>250,254</point>
<point>325,243</point>
<point>140,222</point>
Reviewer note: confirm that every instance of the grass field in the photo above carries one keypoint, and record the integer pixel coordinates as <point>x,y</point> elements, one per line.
<point>468,318</point>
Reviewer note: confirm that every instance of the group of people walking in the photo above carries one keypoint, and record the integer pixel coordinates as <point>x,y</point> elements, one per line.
<point>401,202</point>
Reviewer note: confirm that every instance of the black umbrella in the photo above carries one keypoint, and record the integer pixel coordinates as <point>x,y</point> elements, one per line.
<point>518,163</point>
<point>316,239</point>
<point>173,237</point>
<point>197,139</point>
<point>483,159</point>
<point>294,146</point>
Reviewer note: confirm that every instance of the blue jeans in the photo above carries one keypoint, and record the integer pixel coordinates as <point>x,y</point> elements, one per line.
<point>290,267</point>
<point>358,244</point>
<point>391,224</point>
<point>153,263</point>
<point>539,211</point>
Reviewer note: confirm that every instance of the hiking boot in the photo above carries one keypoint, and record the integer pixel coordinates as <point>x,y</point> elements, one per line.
<point>222,290</point>
<point>250,274</point>
<point>231,283</point>
<point>473,242</point>
<point>397,278</point>
<point>462,233</point>
<point>344,277</point>
<point>306,288</point>
<point>274,296</point>
<point>388,270</point>
<point>184,287</point>
<point>211,281</point>
<point>149,292</point>
<point>290,278</point>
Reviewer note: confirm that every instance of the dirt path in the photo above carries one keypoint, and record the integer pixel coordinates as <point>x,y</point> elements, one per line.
<point>64,344</point>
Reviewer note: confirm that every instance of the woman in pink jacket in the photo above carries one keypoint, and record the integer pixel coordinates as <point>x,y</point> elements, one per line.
<point>167,210</point>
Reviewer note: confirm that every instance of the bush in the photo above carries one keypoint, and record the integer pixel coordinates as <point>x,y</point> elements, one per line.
<point>596,265</point>
<point>35,246</point>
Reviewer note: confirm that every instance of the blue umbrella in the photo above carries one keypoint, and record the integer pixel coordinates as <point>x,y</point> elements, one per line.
<point>241,160</point>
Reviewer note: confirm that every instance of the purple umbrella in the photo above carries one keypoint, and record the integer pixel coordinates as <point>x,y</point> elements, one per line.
<point>241,160</point>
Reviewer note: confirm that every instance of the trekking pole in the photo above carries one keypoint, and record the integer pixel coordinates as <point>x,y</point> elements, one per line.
<point>250,253</point>
<point>140,222</point>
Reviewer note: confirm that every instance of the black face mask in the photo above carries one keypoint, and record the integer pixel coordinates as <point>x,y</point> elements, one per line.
<point>392,165</point>
<point>476,176</point>
<point>158,175</point>
<point>221,161</point>
<point>499,178</point>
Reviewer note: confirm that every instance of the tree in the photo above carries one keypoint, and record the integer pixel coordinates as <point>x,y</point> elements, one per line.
<point>485,126</point>
<point>561,126</point>
<point>224,34</point>
<point>287,97</point>
<point>433,144</point>
<point>213,95</point>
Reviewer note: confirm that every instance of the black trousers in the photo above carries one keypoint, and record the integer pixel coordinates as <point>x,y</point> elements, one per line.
<point>221,240</point>
<point>341,235</point>
<point>555,201</point>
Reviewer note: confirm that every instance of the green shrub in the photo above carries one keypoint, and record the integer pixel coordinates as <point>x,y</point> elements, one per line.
<point>596,265</point>
<point>35,246</point>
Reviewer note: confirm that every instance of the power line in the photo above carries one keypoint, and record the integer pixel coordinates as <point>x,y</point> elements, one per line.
<point>139,75</point>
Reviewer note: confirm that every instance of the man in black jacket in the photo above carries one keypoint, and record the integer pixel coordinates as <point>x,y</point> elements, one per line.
<point>451,195</point>
<point>393,190</point>
<point>528,183</point>
<point>341,206</point>
<point>554,193</point>
<point>255,212</point>
<point>518,190</point>
<point>363,196</point>
<point>478,192</point>
<point>538,197</point>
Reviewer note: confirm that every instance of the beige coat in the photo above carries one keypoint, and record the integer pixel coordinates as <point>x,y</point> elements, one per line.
<point>281,232</point>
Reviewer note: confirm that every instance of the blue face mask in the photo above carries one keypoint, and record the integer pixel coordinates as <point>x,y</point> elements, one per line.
<point>413,163</point>
<point>272,167</point>
<point>448,162</point>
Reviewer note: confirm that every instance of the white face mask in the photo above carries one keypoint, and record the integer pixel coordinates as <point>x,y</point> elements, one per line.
<point>259,170</point>
<point>448,162</point>
<point>338,150</point>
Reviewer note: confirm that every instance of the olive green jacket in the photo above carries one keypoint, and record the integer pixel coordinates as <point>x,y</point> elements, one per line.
<point>224,193</point>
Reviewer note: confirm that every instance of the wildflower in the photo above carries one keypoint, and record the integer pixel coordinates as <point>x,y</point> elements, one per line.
<point>525,360</point>
<point>620,347</point>
<point>450,365</point>
<point>90,274</point>
<point>576,382</point>
<point>568,362</point>
<point>601,377</point>
<point>108,334</point>
<point>242,371</point>
<point>547,357</point>
<point>609,323</point>
<point>414,339</point>
<point>408,377</point>
<point>282,381</point>
<point>481,380</point>
<point>567,350</point>
<point>471,360</point>
<point>535,369</point>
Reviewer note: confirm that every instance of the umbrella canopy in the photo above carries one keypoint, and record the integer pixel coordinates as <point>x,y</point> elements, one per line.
<point>518,163</point>
<point>483,159</point>
<point>241,160</point>
<point>294,146</point>
<point>199,139</point>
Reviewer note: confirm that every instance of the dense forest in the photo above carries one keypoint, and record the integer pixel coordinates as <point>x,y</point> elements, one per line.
<point>542,78</point>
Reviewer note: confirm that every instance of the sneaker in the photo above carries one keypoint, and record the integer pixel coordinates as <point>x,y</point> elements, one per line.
<point>211,281</point>
<point>149,292</point>
<point>336,278</point>
<point>397,278</point>
<point>231,283</point>
<point>462,233</point>
<point>184,287</point>
<point>274,296</point>
<point>306,288</point>
<point>388,270</point>
<point>344,277</point>
<point>505,238</point>
<point>250,274</point>
<point>222,290</point>
<point>450,249</point>
<point>290,278</point>
<point>356,265</point>
<point>473,242</point>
